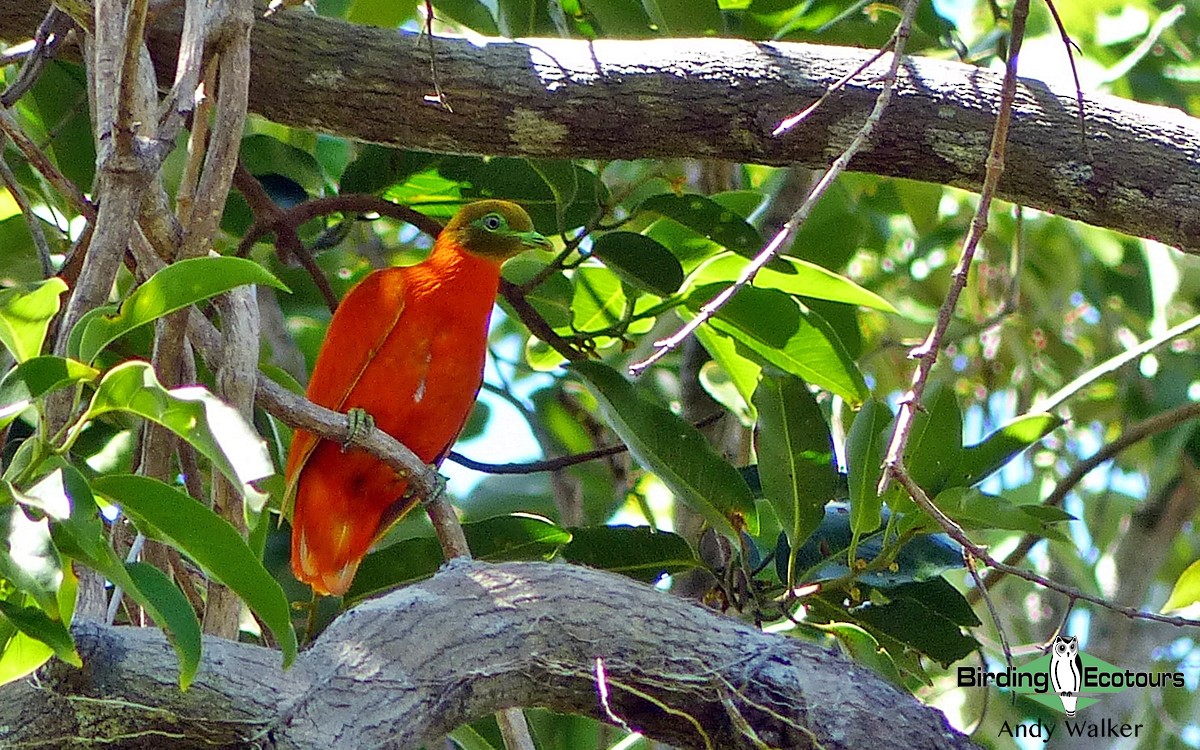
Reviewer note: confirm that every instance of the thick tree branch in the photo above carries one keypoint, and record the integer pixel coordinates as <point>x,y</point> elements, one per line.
<point>1137,172</point>
<point>477,638</point>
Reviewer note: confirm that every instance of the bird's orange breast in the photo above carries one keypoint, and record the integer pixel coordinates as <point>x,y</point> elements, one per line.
<point>407,345</point>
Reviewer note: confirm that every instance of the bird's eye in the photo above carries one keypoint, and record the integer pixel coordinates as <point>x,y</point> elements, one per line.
<point>492,222</point>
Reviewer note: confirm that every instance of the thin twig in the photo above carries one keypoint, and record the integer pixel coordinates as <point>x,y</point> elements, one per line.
<point>927,353</point>
<point>786,234</point>
<point>49,35</point>
<point>9,180</point>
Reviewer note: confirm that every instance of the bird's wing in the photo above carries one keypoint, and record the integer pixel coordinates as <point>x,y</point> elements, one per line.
<point>364,319</point>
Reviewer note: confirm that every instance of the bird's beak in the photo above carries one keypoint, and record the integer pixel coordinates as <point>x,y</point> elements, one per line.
<point>534,239</point>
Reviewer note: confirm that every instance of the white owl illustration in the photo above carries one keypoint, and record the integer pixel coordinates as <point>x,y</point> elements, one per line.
<point>1066,671</point>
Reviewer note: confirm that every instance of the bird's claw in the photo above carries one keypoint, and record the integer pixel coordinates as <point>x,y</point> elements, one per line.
<point>439,486</point>
<point>360,424</point>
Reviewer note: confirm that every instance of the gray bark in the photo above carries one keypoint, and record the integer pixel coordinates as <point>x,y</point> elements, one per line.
<point>1137,171</point>
<point>402,670</point>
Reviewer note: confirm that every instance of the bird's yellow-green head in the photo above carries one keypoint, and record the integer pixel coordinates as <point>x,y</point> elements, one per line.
<point>497,230</point>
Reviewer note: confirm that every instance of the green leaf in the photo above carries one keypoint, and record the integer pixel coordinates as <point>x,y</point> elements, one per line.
<point>989,455</point>
<point>36,377</point>
<point>863,647</point>
<point>709,218</point>
<point>82,536</point>
<point>388,15</point>
<point>742,372</point>
<point>598,301</point>
<point>172,288</point>
<point>674,450</point>
<point>28,557</point>
<point>1186,591</point>
<point>25,314</point>
<point>497,539</point>
<point>210,541</point>
<point>795,455</point>
<point>640,260</point>
<point>210,425</point>
<point>976,510</point>
<point>176,611</point>
<point>865,444</point>
<point>774,328</point>
<point>36,624</point>
<point>919,626</point>
<point>793,276</point>
<point>935,443</point>
<point>639,552</point>
<point>377,168</point>
<point>20,654</point>
<point>470,13</point>
<point>619,18</point>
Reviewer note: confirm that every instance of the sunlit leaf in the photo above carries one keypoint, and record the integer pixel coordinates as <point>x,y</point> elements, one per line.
<point>36,624</point>
<point>793,276</point>
<point>25,314</point>
<point>935,442</point>
<point>172,288</point>
<point>210,425</point>
<point>28,558</point>
<point>773,327</point>
<point>20,654</point>
<point>209,540</point>
<point>674,450</point>
<point>1186,591</point>
<point>36,377</point>
<point>707,217</point>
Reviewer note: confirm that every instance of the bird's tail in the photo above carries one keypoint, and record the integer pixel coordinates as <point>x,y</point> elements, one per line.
<point>338,514</point>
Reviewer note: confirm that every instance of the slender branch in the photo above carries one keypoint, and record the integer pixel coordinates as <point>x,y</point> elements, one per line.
<point>785,235</point>
<point>927,353</point>
<point>9,180</point>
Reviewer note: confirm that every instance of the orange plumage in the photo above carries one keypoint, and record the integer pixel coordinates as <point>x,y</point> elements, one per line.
<point>407,346</point>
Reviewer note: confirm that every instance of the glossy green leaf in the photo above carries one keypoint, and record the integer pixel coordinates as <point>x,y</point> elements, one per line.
<point>28,558</point>
<point>598,301</point>
<point>25,314</point>
<point>264,155</point>
<point>619,18</point>
<point>497,539</point>
<point>636,551</point>
<point>387,15</point>
<point>175,609</point>
<point>973,510</point>
<point>36,377</point>
<point>172,288</point>
<point>376,168</point>
<point>551,298</point>
<point>793,276</point>
<point>795,455</point>
<point>865,446</point>
<point>210,541</point>
<point>1186,590</point>
<point>707,217</point>
<point>989,455</point>
<point>36,624</point>
<point>863,647</point>
<point>640,260</point>
<point>777,331</point>
<point>674,450</point>
<point>20,654</point>
<point>210,425</point>
<point>470,13</point>
<point>919,626</point>
<point>935,443</point>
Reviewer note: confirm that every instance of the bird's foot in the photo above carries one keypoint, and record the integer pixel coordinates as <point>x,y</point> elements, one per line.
<point>439,485</point>
<point>360,424</point>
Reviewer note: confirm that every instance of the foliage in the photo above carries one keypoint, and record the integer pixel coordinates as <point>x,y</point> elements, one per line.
<point>805,367</point>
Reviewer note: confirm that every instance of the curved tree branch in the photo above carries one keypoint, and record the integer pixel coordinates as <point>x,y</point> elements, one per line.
<point>477,638</point>
<point>1138,170</point>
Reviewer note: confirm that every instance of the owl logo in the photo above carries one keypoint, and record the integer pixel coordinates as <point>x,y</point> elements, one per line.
<point>1066,671</point>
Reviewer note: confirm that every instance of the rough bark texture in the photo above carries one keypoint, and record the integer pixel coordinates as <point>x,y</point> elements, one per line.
<point>402,670</point>
<point>1138,171</point>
